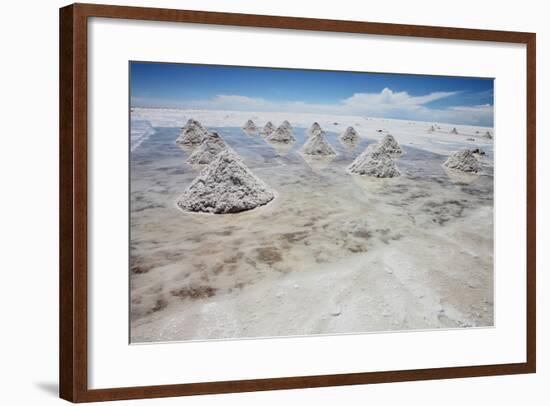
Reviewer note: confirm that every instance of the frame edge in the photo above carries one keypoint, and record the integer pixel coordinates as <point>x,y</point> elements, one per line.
<point>73,202</point>
<point>66,282</point>
<point>531,203</point>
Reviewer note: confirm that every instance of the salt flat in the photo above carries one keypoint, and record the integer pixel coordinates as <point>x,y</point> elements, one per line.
<point>334,253</point>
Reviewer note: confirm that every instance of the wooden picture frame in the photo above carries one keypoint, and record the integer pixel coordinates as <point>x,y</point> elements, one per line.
<point>74,201</point>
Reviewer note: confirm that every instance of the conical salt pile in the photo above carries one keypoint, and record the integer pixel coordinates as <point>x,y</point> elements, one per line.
<point>350,135</point>
<point>488,135</point>
<point>349,139</point>
<point>463,160</point>
<point>454,131</point>
<point>225,186</point>
<point>205,153</point>
<point>282,134</point>
<point>314,129</point>
<point>318,145</point>
<point>375,162</point>
<point>389,144</point>
<point>286,124</point>
<point>249,126</point>
<point>192,134</point>
<point>268,129</point>
<point>189,123</point>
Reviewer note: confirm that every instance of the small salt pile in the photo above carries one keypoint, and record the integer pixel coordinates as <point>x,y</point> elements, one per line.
<point>314,129</point>
<point>189,123</point>
<point>389,144</point>
<point>454,131</point>
<point>286,124</point>
<point>227,185</point>
<point>463,160</point>
<point>282,134</point>
<point>249,126</point>
<point>478,151</point>
<point>192,133</point>
<point>205,153</point>
<point>318,145</point>
<point>350,135</point>
<point>376,162</point>
<point>268,129</point>
<point>488,135</point>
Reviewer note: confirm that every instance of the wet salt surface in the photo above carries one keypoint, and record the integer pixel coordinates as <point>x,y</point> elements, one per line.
<point>413,252</point>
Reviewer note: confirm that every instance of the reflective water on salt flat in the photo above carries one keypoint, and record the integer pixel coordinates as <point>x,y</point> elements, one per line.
<point>334,253</point>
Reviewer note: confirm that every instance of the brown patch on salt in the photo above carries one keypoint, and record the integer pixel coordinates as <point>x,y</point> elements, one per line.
<point>138,267</point>
<point>269,255</point>
<point>160,304</point>
<point>194,292</point>
<point>357,248</point>
<point>294,237</point>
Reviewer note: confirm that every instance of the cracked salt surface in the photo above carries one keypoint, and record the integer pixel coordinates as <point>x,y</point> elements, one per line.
<point>405,253</point>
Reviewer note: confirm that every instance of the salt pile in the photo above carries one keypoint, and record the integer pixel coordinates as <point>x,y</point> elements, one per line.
<point>286,124</point>
<point>389,144</point>
<point>189,123</point>
<point>282,134</point>
<point>350,135</point>
<point>268,129</point>
<point>376,162</point>
<point>318,145</point>
<point>227,185</point>
<point>192,134</point>
<point>463,160</point>
<point>478,151</point>
<point>314,129</point>
<point>454,131</point>
<point>349,138</point>
<point>211,146</point>
<point>249,126</point>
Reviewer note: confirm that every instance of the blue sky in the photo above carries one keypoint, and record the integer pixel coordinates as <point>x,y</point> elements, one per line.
<point>412,97</point>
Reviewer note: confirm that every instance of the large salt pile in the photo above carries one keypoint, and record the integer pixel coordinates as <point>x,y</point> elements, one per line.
<point>318,145</point>
<point>463,160</point>
<point>454,131</point>
<point>314,129</point>
<point>227,185</point>
<point>350,135</point>
<point>205,153</point>
<point>249,126</point>
<point>192,134</point>
<point>268,129</point>
<point>389,144</point>
<point>282,134</point>
<point>376,162</point>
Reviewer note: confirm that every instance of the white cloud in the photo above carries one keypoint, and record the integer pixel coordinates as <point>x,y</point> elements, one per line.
<point>390,99</point>
<point>387,103</point>
<point>475,115</point>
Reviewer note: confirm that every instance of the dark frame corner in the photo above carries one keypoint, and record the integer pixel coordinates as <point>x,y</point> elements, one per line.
<point>73,345</point>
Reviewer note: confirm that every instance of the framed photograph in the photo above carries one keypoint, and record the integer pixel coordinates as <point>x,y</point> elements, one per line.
<point>254,202</point>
